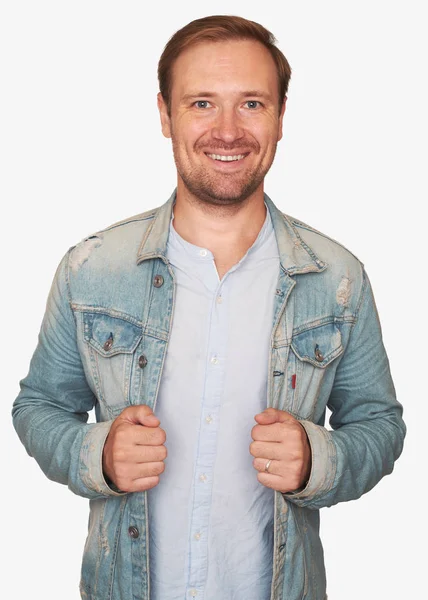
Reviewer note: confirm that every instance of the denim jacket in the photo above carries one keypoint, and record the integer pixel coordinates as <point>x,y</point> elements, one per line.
<point>102,345</point>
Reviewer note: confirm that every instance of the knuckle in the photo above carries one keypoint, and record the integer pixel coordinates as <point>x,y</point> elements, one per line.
<point>297,430</point>
<point>121,435</point>
<point>295,455</point>
<point>126,414</point>
<point>154,469</point>
<point>118,454</point>
<point>147,435</point>
<point>143,410</point>
<point>154,435</point>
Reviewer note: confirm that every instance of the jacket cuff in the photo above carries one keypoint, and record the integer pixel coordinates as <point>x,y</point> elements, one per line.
<point>91,460</point>
<point>323,468</point>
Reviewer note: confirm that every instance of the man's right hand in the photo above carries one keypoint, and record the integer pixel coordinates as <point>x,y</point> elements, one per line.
<point>134,450</point>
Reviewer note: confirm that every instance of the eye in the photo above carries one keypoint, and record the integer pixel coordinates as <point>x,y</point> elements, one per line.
<point>253,104</point>
<point>202,104</point>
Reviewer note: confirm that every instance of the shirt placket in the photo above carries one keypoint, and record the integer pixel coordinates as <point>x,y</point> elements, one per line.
<point>208,434</point>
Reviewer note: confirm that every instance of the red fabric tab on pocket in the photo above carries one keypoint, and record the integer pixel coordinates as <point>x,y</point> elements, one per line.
<point>293,381</point>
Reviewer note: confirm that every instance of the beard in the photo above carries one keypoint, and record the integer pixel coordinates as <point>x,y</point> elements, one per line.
<point>222,189</point>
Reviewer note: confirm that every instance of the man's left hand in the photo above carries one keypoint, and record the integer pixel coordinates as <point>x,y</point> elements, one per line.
<point>280,438</point>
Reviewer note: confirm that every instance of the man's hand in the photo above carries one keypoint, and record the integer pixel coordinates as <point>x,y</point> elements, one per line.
<point>280,438</point>
<point>133,453</point>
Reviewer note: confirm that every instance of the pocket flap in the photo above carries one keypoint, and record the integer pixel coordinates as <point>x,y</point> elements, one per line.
<point>111,335</point>
<point>318,345</point>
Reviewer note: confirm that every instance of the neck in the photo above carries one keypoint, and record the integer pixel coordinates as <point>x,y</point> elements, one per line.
<point>227,231</point>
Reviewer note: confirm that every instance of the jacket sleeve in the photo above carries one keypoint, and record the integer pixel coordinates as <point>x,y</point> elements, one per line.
<point>51,411</point>
<point>368,430</point>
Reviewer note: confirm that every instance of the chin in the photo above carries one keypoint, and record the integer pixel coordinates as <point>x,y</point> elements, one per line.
<point>221,197</point>
<point>218,195</point>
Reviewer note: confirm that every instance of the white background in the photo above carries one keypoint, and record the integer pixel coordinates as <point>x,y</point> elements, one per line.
<point>81,148</point>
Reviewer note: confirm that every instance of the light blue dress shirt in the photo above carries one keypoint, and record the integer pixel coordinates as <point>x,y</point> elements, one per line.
<point>211,521</point>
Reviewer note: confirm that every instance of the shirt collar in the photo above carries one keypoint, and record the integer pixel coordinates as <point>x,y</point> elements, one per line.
<point>178,244</point>
<point>295,255</point>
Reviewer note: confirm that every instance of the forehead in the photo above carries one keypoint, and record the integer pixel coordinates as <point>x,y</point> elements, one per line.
<point>212,66</point>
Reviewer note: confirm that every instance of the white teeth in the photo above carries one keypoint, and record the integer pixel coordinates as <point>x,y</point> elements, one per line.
<point>226,158</point>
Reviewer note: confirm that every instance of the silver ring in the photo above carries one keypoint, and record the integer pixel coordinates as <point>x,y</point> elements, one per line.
<point>268,465</point>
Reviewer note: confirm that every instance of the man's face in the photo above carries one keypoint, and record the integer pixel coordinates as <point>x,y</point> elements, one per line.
<point>225,120</point>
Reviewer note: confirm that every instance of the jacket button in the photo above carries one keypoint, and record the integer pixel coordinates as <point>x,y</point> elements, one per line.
<point>318,354</point>
<point>158,281</point>
<point>108,343</point>
<point>142,361</point>
<point>133,532</point>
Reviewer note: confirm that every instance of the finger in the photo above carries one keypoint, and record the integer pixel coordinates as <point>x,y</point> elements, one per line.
<point>150,421</point>
<point>275,432</point>
<point>274,482</point>
<point>150,469</point>
<point>260,465</point>
<point>140,414</point>
<point>266,450</point>
<point>150,436</point>
<point>128,435</point>
<point>273,415</point>
<point>141,485</point>
<point>145,454</point>
<point>125,475</point>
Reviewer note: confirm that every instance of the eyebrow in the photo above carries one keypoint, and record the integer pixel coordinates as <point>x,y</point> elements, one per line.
<point>247,94</point>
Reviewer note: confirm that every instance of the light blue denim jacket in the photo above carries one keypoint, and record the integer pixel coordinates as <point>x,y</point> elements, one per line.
<point>102,344</point>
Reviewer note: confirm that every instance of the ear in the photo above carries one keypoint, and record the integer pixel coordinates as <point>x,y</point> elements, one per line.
<point>164,117</point>
<point>281,118</point>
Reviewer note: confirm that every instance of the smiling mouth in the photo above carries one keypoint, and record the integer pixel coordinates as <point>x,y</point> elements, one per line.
<point>227,157</point>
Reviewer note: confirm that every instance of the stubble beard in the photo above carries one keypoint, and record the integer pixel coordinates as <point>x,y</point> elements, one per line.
<point>228,189</point>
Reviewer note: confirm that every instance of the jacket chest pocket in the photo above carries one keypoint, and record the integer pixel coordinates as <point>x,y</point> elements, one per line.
<point>112,344</point>
<point>313,352</point>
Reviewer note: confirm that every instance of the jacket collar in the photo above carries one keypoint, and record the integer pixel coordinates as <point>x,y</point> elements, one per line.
<point>295,255</point>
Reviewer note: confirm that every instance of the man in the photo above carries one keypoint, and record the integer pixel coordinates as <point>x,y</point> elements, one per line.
<point>234,326</point>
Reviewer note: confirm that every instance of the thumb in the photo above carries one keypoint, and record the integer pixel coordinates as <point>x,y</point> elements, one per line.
<point>140,414</point>
<point>271,415</point>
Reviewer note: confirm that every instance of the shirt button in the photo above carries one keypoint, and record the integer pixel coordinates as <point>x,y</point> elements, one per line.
<point>193,593</point>
<point>208,418</point>
<point>203,477</point>
<point>197,536</point>
<point>219,299</point>
<point>203,252</point>
<point>214,360</point>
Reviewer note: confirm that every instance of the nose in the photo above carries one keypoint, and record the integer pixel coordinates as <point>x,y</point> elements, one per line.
<point>228,127</point>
